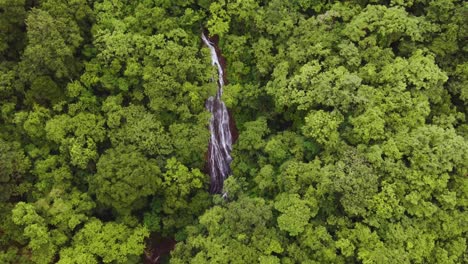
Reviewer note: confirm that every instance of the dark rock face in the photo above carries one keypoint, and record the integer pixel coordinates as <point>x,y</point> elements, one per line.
<point>158,248</point>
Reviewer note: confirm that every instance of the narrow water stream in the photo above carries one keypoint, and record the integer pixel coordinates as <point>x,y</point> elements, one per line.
<point>221,126</point>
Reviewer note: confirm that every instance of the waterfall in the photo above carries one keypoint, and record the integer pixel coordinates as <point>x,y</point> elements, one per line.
<point>220,145</point>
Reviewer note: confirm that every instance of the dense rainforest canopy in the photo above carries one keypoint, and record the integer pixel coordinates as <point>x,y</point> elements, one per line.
<point>352,119</point>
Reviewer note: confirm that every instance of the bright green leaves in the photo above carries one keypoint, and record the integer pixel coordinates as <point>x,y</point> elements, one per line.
<point>218,24</point>
<point>297,177</point>
<point>239,232</point>
<point>238,53</point>
<point>25,213</point>
<point>265,179</point>
<point>370,125</point>
<point>370,249</point>
<point>405,241</point>
<point>433,150</point>
<point>251,140</point>
<point>51,172</point>
<point>109,242</point>
<point>134,125</point>
<point>312,40</point>
<point>418,72</point>
<point>44,91</point>
<point>49,222</point>
<point>33,122</point>
<point>423,73</point>
<point>78,136</point>
<point>323,127</point>
<point>137,126</point>
<point>172,77</point>
<point>263,55</point>
<point>355,182</point>
<point>42,243</point>
<point>387,24</point>
<point>243,9</point>
<point>184,195</point>
<point>51,45</point>
<point>276,18</point>
<point>147,60</point>
<point>189,142</point>
<point>401,99</point>
<point>418,180</point>
<point>450,17</point>
<point>268,260</point>
<point>284,146</point>
<point>124,177</point>
<point>295,213</point>
<point>350,53</point>
<point>13,168</point>
<point>66,210</point>
<point>313,85</point>
<point>179,182</point>
<point>314,245</point>
<point>435,157</point>
<point>118,52</point>
<point>82,98</point>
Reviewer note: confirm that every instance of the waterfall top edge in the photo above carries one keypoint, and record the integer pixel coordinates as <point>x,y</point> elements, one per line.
<point>215,61</point>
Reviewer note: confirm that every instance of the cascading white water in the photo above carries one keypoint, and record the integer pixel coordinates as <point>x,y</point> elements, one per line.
<point>215,62</point>
<point>220,145</point>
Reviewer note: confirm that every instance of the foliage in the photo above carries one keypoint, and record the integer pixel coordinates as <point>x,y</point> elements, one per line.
<point>352,145</point>
<point>124,176</point>
<point>110,242</point>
